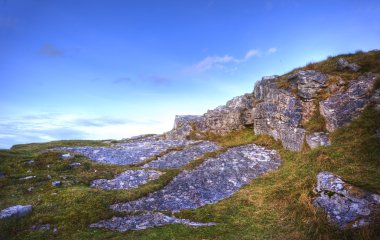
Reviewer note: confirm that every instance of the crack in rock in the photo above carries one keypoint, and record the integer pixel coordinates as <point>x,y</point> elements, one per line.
<point>127,153</point>
<point>144,221</point>
<point>177,159</point>
<point>212,181</point>
<point>127,180</point>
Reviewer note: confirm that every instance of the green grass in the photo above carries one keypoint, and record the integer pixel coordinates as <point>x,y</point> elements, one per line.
<point>277,205</point>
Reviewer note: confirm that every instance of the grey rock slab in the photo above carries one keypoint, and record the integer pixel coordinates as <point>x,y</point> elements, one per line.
<point>127,180</point>
<point>74,164</point>
<point>43,227</point>
<point>17,211</point>
<point>177,159</point>
<point>317,139</point>
<point>215,179</point>
<point>127,153</point>
<point>27,178</point>
<point>66,156</point>
<point>144,221</point>
<point>308,82</point>
<point>342,107</point>
<point>346,206</point>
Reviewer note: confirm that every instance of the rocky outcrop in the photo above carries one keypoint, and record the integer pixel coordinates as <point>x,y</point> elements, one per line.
<point>343,64</point>
<point>308,83</point>
<point>16,211</point>
<point>342,107</point>
<point>278,113</point>
<point>346,206</point>
<point>235,115</point>
<point>317,139</point>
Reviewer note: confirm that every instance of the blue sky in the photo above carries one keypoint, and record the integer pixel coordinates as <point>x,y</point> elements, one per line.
<point>79,69</point>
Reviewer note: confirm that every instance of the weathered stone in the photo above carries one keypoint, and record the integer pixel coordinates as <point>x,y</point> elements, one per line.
<point>144,221</point>
<point>212,181</point>
<point>346,206</point>
<point>27,178</point>
<point>375,100</point>
<point>127,153</point>
<point>16,211</point>
<point>278,113</point>
<point>66,156</point>
<point>127,180</point>
<point>43,227</point>
<point>184,125</point>
<point>235,115</point>
<point>343,64</point>
<point>344,106</point>
<point>317,139</point>
<point>56,183</point>
<point>176,159</point>
<point>29,161</point>
<point>74,164</point>
<point>309,83</point>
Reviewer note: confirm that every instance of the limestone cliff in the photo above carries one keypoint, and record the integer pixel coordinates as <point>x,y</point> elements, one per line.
<point>283,106</point>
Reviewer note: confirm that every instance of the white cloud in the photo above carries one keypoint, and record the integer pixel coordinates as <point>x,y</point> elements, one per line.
<point>272,50</point>
<point>251,53</point>
<point>211,62</point>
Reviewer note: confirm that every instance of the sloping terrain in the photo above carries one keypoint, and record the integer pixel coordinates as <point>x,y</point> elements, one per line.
<point>247,170</point>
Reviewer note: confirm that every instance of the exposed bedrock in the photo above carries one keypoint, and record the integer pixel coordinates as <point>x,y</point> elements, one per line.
<point>342,107</point>
<point>215,179</point>
<point>346,206</point>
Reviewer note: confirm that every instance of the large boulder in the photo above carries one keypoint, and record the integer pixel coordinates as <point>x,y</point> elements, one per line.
<point>346,206</point>
<point>278,113</point>
<point>16,211</point>
<point>309,83</point>
<point>342,107</point>
<point>184,125</point>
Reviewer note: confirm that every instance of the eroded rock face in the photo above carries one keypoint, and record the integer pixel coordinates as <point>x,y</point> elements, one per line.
<point>309,83</point>
<point>127,180</point>
<point>177,159</point>
<point>184,125</point>
<point>278,113</point>
<point>235,115</point>
<point>342,107</point>
<point>212,181</point>
<point>347,206</point>
<point>16,211</point>
<point>144,221</point>
<point>317,139</point>
<point>343,64</point>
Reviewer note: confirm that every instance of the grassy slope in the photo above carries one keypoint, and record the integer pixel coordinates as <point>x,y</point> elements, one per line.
<point>277,205</point>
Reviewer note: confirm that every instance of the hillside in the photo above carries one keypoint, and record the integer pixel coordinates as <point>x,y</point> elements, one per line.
<point>297,158</point>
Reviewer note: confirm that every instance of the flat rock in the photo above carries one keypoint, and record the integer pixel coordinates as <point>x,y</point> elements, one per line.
<point>127,153</point>
<point>127,180</point>
<point>17,211</point>
<point>27,178</point>
<point>177,159</point>
<point>213,180</point>
<point>346,206</point>
<point>317,139</point>
<point>144,221</point>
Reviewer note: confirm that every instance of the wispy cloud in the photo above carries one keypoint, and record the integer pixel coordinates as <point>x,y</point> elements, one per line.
<point>211,62</point>
<point>272,50</point>
<point>50,50</point>
<point>251,53</point>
